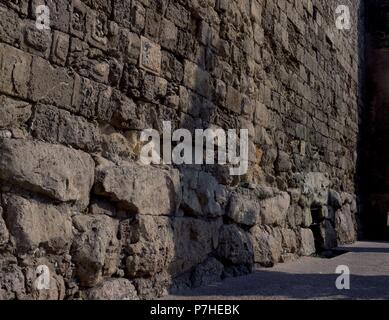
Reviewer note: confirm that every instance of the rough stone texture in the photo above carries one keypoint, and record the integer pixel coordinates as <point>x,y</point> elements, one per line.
<point>32,224</point>
<point>143,189</point>
<point>61,173</point>
<point>74,99</point>
<point>95,248</point>
<point>113,289</point>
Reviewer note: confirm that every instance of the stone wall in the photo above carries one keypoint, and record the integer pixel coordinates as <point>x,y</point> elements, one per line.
<point>75,98</point>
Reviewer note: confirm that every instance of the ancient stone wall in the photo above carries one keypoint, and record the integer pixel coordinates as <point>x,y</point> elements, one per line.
<point>75,98</point>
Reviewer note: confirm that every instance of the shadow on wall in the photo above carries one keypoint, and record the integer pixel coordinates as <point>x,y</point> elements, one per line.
<point>373,151</point>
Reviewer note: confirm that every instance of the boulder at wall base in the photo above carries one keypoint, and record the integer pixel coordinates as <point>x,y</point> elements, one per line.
<point>143,189</point>
<point>307,242</point>
<point>58,172</point>
<point>95,249</point>
<point>175,245</point>
<point>209,271</point>
<point>267,245</point>
<point>345,225</point>
<point>235,246</point>
<point>112,289</point>
<point>150,247</point>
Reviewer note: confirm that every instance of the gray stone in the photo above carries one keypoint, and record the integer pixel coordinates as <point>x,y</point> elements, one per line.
<point>150,58</point>
<point>143,189</point>
<point>33,224</point>
<point>15,67</point>
<point>4,234</point>
<point>307,242</point>
<point>267,245</point>
<point>244,209</point>
<point>235,245</point>
<point>95,249</point>
<point>345,225</point>
<point>113,289</point>
<point>208,272</point>
<point>57,86</point>
<point>194,240</point>
<point>14,113</point>
<point>58,172</point>
<point>274,210</point>
<point>196,79</point>
<point>151,247</point>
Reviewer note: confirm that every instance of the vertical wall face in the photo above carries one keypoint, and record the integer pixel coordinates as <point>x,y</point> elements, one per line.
<point>376,186</point>
<point>75,98</point>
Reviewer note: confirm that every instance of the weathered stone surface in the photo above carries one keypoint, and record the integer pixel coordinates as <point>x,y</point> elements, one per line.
<point>328,238</point>
<point>244,209</point>
<point>10,26</point>
<point>95,249</point>
<point>37,42</point>
<point>196,79</point>
<point>4,234</point>
<point>14,113</point>
<point>60,48</point>
<point>267,245</point>
<point>57,86</point>
<point>307,246</point>
<point>235,245</point>
<point>108,69</point>
<point>112,289</point>
<point>32,224</point>
<point>194,240</point>
<point>202,194</point>
<point>345,225</point>
<point>143,189</point>
<point>151,246</point>
<point>56,171</point>
<point>150,58</point>
<point>274,210</point>
<point>15,66</point>
<point>12,285</point>
<point>206,273</point>
<point>54,125</point>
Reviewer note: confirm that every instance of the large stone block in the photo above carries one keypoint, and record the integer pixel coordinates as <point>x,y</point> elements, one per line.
<point>49,84</point>
<point>244,209</point>
<point>4,234</point>
<point>35,225</point>
<point>95,249</point>
<point>35,41</point>
<point>196,79</point>
<point>267,244</point>
<point>59,13</point>
<point>58,172</point>
<point>10,26</point>
<point>345,225</point>
<point>54,125</point>
<point>142,189</point>
<point>151,246</point>
<point>60,48</point>
<point>150,56</point>
<point>274,210</point>
<point>12,281</point>
<point>307,242</point>
<point>14,113</point>
<point>113,289</point>
<point>235,246</point>
<point>194,240</point>
<point>202,194</point>
<point>15,69</point>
